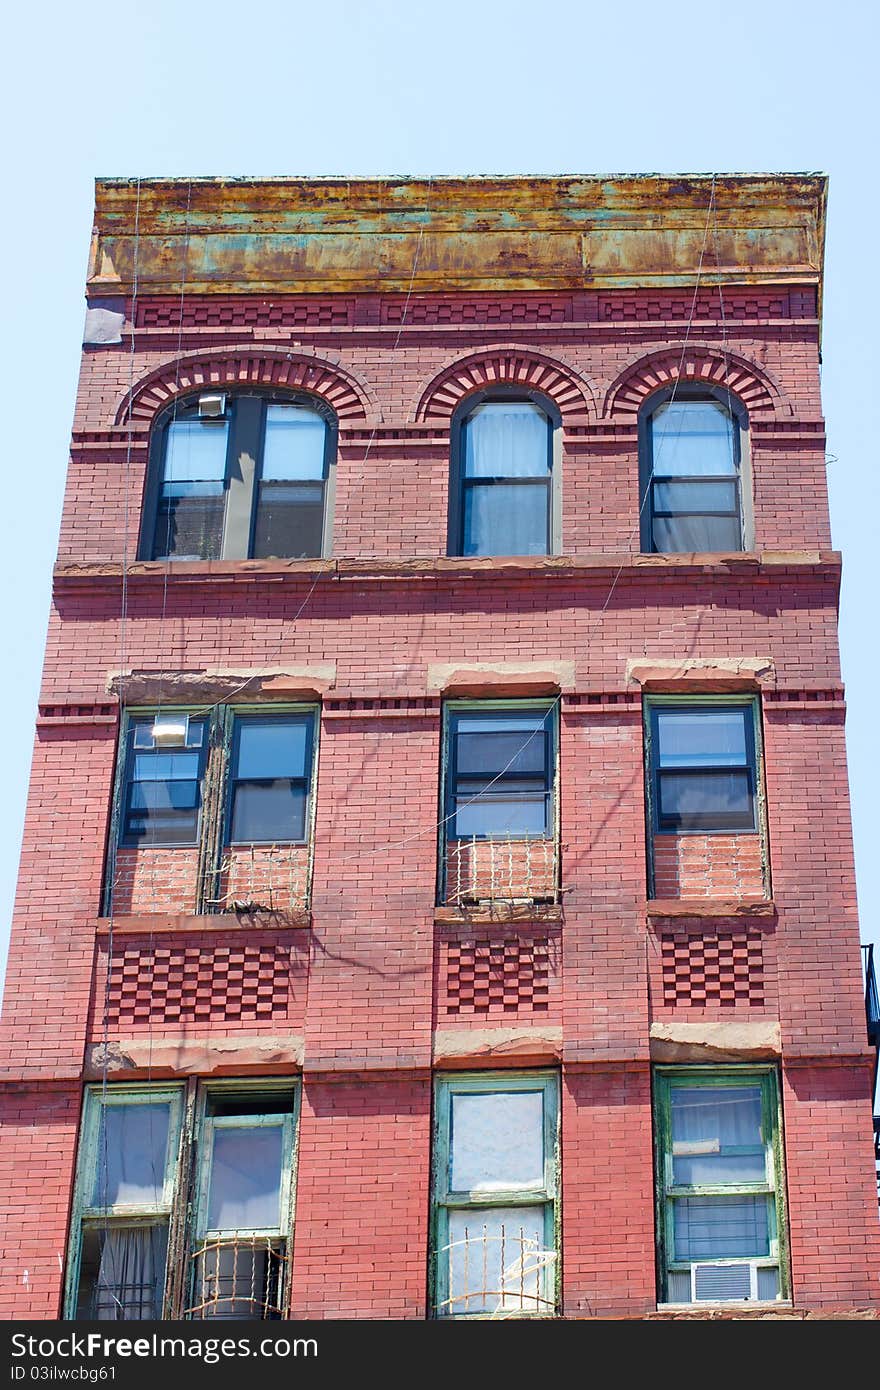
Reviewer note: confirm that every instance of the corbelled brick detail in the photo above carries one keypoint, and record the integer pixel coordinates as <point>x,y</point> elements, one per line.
<point>727,968</point>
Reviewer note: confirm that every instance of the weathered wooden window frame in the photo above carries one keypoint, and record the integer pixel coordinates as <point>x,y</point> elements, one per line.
<point>741,433</point>
<point>445,1199</point>
<point>508,394</point>
<point>243,469</point>
<point>773,1186</point>
<point>185,1192</point>
<point>448,771</point>
<point>205,1127</point>
<point>215,786</point>
<point>124,1215</point>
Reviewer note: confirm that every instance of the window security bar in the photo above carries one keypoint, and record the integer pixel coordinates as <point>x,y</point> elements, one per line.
<point>505,869</point>
<point>238,1278</point>
<point>498,1276</point>
<point>272,878</point>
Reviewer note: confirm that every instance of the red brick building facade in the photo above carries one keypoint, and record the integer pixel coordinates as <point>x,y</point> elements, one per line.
<point>407,927</point>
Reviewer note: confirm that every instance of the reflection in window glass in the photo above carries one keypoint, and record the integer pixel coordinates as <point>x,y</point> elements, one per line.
<point>694,484</point>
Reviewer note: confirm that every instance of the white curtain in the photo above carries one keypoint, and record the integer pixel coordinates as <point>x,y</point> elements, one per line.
<point>131,1276</point>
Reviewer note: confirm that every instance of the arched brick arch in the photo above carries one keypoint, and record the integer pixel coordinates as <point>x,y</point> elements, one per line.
<point>509,365</point>
<point>695,363</point>
<point>350,399</point>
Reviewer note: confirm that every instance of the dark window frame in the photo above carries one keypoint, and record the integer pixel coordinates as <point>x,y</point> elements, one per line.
<point>456,710</point>
<point>508,394</point>
<point>256,714</point>
<point>134,720</point>
<point>749,705</point>
<point>246,415</point>
<point>742,479</point>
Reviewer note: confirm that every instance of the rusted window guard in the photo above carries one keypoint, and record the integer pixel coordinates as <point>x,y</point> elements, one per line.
<point>506,869</point>
<point>238,1279</point>
<point>497,1276</point>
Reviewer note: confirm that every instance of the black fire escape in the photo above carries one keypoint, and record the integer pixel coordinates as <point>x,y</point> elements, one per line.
<point>872,1014</point>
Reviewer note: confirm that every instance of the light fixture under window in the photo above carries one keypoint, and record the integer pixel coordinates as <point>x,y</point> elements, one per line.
<point>171,730</point>
<point>212,406</point>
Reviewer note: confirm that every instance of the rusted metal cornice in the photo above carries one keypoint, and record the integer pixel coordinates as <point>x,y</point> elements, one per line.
<point>286,235</point>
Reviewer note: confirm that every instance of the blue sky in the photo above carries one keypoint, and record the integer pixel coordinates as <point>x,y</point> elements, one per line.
<point>387,87</point>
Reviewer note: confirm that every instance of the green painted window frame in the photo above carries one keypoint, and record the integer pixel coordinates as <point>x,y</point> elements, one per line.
<point>85,1215</point>
<point>772,1186</point>
<point>206,1125</point>
<point>445,1199</point>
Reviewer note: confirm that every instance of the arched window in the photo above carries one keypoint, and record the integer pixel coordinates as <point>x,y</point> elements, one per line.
<point>693,457</point>
<point>234,476</point>
<point>502,498</point>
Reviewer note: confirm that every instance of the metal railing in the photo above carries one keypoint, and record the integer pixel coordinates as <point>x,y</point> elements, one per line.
<point>496,1275</point>
<point>238,1278</point>
<point>872,997</point>
<point>506,868</point>
<point>273,878</point>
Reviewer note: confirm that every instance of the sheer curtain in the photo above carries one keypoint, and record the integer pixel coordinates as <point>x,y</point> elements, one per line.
<point>131,1276</point>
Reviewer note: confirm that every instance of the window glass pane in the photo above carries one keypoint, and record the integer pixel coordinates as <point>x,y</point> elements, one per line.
<point>497,1141</point>
<point>132,1154</point>
<point>702,737</point>
<point>158,796</point>
<point>165,767</point>
<point>717,1135</point>
<point>245,1192</point>
<point>506,439</point>
<point>497,1261</point>
<point>689,497</point>
<point>290,521</point>
<point>724,798</point>
<point>190,527</point>
<point>719,1228</point>
<point>517,747</point>
<point>690,438</point>
<point>293,446</point>
<point>122,1273</point>
<point>195,451</point>
<point>502,519</point>
<point>497,814</point>
<point>682,535</point>
<point>268,811</point>
<point>272,748</point>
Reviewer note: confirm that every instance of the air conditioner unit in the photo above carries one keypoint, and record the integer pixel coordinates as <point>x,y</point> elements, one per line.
<point>734,1281</point>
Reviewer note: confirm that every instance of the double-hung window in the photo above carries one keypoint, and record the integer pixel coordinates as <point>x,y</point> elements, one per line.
<point>495,1194</point>
<point>162,796</point>
<point>270,778</point>
<point>236,784</point>
<point>124,1198</point>
<point>499,837</point>
<point>721,1218</point>
<point>500,780</point>
<point>692,473</point>
<point>243,1208</point>
<point>702,774</point>
<point>183,1211</point>
<point>238,476</point>
<point>502,496</point>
